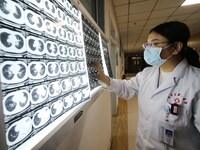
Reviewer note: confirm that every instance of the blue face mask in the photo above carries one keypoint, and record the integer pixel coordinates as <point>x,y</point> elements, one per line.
<point>152,56</point>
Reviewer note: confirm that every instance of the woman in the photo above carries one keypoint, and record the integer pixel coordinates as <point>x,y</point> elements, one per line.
<point>168,92</point>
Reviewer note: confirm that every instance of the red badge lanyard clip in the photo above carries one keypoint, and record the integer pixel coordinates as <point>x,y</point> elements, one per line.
<point>174,109</point>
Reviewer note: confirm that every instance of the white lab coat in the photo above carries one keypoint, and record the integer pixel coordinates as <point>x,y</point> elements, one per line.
<point>182,87</point>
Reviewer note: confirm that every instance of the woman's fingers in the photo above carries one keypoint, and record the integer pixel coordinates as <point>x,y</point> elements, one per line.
<point>98,67</point>
<point>100,75</point>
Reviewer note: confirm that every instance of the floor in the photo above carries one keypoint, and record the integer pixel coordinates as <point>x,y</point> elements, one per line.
<point>124,125</point>
<point>120,127</point>
<point>132,123</point>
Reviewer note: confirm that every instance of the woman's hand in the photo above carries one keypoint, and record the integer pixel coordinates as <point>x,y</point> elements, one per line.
<point>100,76</point>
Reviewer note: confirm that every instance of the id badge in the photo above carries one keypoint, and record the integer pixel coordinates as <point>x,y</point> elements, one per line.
<point>166,134</point>
<point>174,109</point>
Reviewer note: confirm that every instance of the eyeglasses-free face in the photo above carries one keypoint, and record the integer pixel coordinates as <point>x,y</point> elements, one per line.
<point>152,44</point>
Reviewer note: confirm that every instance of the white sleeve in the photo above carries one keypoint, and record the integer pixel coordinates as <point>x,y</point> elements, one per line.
<point>125,88</point>
<point>196,111</point>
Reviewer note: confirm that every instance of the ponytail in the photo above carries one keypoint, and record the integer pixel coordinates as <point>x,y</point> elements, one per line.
<point>191,55</point>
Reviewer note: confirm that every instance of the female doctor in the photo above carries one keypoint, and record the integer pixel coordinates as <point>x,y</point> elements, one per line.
<point>168,92</point>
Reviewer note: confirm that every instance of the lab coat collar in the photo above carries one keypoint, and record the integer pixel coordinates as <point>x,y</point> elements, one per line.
<point>178,73</point>
<point>180,69</point>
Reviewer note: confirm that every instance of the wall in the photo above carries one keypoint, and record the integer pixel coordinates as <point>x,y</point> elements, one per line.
<point>97,129</point>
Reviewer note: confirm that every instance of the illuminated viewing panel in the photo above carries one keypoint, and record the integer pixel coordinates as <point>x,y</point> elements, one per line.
<point>43,65</point>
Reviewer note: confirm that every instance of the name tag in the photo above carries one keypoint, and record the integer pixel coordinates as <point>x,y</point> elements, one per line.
<point>166,134</point>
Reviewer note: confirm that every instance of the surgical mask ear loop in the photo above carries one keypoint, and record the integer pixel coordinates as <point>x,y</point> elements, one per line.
<point>170,55</point>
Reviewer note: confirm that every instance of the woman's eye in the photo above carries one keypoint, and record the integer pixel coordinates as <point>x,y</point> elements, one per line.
<point>155,44</point>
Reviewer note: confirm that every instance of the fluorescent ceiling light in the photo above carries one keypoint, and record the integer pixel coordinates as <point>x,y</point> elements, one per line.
<point>190,2</point>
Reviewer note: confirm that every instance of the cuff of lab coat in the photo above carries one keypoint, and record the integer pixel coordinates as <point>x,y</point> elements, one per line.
<point>105,86</point>
<point>110,87</point>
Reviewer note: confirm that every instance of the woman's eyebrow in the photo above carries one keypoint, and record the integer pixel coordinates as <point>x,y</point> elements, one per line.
<point>153,40</point>
<point>157,40</point>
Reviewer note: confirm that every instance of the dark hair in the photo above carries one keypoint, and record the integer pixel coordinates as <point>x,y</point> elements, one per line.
<point>176,31</point>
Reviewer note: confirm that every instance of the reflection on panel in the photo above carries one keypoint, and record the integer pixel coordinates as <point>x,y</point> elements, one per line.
<point>43,68</point>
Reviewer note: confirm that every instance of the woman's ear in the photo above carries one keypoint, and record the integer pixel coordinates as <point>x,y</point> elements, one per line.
<point>178,46</point>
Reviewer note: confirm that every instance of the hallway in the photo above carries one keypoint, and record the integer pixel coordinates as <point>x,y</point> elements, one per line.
<point>124,125</point>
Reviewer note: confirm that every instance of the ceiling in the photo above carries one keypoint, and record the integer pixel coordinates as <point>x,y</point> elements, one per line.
<point>135,18</point>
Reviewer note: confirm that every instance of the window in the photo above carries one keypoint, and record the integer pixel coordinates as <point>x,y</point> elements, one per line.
<point>96,10</point>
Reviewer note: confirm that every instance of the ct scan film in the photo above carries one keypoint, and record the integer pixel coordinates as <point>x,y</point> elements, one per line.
<point>43,67</point>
